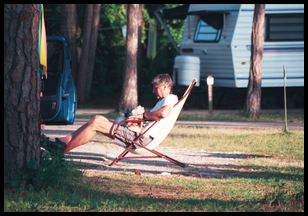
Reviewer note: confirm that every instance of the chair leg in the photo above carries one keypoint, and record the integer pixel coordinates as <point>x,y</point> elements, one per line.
<point>158,155</point>
<point>120,157</point>
<point>168,158</point>
<point>161,155</point>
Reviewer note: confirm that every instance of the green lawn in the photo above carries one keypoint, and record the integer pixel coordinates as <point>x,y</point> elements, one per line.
<point>272,142</point>
<point>270,179</point>
<point>294,116</point>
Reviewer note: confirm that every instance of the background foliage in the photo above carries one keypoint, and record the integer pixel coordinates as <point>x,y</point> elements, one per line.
<point>110,62</point>
<point>110,52</point>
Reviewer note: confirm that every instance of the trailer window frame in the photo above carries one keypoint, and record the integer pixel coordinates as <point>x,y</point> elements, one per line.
<point>217,32</point>
<point>285,32</point>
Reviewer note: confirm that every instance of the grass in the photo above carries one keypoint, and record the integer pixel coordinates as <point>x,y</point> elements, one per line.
<point>269,178</point>
<point>294,116</point>
<point>127,192</point>
<point>254,141</point>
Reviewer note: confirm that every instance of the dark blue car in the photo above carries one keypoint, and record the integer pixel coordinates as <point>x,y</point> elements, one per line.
<point>59,99</point>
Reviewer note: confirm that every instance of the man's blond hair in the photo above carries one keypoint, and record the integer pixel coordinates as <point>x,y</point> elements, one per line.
<point>163,79</point>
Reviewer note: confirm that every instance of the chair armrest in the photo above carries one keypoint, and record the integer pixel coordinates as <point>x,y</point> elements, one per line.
<point>134,120</point>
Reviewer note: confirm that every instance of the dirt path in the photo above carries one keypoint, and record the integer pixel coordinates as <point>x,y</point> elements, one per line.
<point>94,159</point>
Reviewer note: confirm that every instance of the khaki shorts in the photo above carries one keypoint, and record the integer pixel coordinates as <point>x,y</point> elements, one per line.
<point>123,136</point>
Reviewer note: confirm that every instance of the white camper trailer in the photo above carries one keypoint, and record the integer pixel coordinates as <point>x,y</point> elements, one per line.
<point>220,35</point>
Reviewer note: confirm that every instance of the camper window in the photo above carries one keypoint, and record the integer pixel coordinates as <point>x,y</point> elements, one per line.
<point>284,27</point>
<point>209,28</point>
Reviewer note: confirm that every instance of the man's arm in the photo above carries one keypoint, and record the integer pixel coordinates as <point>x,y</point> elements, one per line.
<point>158,114</point>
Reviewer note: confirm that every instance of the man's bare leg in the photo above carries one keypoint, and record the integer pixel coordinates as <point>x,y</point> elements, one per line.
<point>87,132</point>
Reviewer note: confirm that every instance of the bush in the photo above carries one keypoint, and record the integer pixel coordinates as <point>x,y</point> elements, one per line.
<point>50,171</point>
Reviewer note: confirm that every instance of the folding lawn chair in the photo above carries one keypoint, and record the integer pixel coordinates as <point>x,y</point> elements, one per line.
<point>156,140</point>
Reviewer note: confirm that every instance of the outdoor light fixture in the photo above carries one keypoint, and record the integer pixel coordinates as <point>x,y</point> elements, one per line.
<point>210,83</point>
<point>210,80</point>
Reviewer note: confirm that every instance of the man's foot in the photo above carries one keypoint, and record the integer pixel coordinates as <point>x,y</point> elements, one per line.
<point>53,146</point>
<point>59,144</point>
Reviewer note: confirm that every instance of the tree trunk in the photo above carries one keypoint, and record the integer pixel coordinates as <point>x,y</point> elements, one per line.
<point>92,47</point>
<point>83,64</point>
<point>21,87</point>
<point>253,101</point>
<point>69,29</point>
<point>129,97</point>
<point>140,47</point>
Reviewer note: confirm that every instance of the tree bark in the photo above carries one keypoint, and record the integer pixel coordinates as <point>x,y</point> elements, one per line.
<point>21,87</point>
<point>140,48</point>
<point>83,64</point>
<point>129,96</point>
<point>92,47</point>
<point>69,29</point>
<point>253,101</point>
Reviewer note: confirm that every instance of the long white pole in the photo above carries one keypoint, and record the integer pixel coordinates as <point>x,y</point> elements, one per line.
<point>285,100</point>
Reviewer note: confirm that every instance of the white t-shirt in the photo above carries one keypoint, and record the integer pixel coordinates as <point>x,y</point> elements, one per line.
<point>170,100</point>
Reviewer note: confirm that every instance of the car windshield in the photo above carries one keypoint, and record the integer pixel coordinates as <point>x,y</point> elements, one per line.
<point>54,57</point>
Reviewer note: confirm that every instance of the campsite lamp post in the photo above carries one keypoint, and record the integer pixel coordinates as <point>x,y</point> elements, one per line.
<point>210,82</point>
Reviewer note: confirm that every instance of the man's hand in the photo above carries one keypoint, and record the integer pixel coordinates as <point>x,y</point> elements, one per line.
<point>137,123</point>
<point>139,110</point>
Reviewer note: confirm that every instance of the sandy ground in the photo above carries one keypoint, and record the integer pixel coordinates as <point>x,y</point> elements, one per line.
<point>94,158</point>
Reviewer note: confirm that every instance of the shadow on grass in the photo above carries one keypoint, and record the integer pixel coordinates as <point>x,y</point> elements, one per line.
<point>109,194</point>
<point>104,193</point>
<point>92,194</point>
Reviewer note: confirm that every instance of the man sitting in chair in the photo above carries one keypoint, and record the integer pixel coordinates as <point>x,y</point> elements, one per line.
<point>162,87</point>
